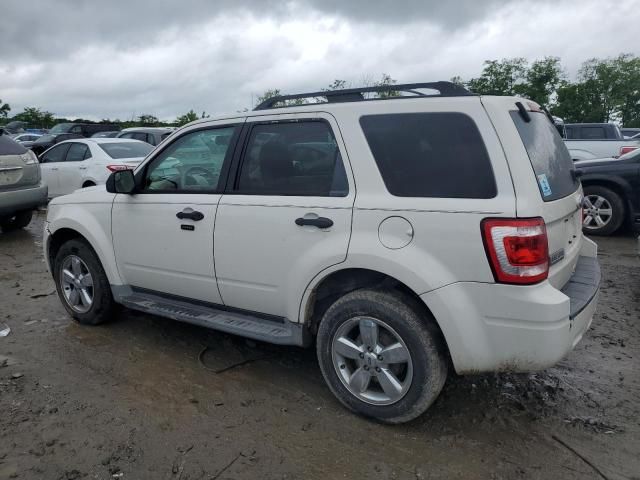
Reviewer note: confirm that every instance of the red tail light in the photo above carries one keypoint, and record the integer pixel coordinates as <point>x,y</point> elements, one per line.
<point>628,149</point>
<point>115,168</point>
<point>517,249</point>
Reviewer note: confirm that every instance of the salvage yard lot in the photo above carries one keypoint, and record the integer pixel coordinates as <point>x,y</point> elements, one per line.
<point>146,397</point>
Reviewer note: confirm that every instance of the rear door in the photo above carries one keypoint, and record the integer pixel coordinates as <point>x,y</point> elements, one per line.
<point>50,163</point>
<point>559,189</point>
<point>287,215</point>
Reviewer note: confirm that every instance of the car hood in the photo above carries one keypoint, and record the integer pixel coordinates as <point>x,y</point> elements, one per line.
<point>96,194</point>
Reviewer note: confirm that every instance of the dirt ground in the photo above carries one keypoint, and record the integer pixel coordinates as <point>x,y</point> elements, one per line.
<point>144,398</point>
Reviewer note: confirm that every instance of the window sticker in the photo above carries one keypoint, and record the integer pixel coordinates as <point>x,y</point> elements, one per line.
<point>544,185</point>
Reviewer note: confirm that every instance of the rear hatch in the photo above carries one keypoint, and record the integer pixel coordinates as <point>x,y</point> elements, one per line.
<point>559,189</point>
<point>18,166</point>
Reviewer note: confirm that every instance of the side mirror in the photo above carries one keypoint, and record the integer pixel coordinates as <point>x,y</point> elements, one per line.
<point>121,181</point>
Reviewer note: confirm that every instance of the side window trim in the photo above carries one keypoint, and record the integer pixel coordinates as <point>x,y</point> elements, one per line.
<point>232,186</point>
<point>141,174</point>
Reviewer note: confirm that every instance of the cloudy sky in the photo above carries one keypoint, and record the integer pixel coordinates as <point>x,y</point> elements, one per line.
<point>117,59</point>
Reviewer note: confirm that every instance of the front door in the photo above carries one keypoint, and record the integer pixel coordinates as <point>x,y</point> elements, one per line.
<point>163,235</point>
<point>288,214</point>
<point>50,162</point>
<point>71,171</point>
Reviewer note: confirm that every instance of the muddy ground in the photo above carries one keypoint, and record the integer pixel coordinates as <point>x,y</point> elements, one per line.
<point>132,399</point>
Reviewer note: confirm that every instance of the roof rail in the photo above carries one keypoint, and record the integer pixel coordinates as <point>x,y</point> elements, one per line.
<point>446,89</point>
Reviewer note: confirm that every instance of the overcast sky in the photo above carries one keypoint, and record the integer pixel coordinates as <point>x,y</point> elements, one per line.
<point>116,59</point>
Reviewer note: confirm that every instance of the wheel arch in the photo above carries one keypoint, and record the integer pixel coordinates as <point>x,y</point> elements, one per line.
<point>617,185</point>
<point>88,231</point>
<point>327,288</point>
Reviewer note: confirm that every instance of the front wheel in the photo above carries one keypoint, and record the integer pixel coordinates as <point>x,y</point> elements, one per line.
<point>381,355</point>
<point>81,283</point>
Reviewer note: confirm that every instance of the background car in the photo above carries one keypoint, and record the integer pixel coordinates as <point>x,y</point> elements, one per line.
<point>630,132</point>
<point>84,129</point>
<point>21,186</point>
<point>27,139</point>
<point>85,162</point>
<point>612,193</point>
<point>107,134</point>
<point>47,141</point>
<point>151,135</point>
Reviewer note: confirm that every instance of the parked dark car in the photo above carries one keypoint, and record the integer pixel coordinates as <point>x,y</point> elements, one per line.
<point>592,131</point>
<point>612,193</point>
<point>83,129</point>
<point>151,135</point>
<point>46,141</point>
<point>106,134</point>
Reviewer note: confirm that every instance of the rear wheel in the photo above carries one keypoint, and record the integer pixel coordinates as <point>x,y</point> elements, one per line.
<point>603,211</point>
<point>380,356</point>
<point>16,221</point>
<point>81,283</point>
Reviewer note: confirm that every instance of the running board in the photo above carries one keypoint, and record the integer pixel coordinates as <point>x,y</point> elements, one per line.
<point>240,323</point>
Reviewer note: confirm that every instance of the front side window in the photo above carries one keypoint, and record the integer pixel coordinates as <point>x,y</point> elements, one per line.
<point>77,152</point>
<point>436,155</point>
<point>56,154</point>
<point>292,158</point>
<point>191,163</point>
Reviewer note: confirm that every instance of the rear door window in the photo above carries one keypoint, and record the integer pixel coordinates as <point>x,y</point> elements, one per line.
<point>437,155</point>
<point>77,152</point>
<point>548,154</point>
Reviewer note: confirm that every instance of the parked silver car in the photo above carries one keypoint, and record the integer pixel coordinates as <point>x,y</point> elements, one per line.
<point>21,185</point>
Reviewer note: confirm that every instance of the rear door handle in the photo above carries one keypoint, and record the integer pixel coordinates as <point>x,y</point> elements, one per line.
<point>320,222</point>
<point>190,214</point>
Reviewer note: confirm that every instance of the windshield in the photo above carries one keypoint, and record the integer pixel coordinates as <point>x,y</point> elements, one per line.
<point>548,154</point>
<point>126,149</point>
<point>60,128</point>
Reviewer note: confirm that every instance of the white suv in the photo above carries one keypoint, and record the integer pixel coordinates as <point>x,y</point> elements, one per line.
<point>404,236</point>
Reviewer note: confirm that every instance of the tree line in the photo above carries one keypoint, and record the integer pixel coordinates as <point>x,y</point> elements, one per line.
<point>604,90</point>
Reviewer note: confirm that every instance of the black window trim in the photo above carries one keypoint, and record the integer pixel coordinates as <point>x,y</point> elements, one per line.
<point>239,157</point>
<point>224,171</point>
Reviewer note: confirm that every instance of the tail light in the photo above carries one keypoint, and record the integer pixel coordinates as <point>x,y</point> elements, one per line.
<point>628,149</point>
<point>517,249</point>
<point>115,168</point>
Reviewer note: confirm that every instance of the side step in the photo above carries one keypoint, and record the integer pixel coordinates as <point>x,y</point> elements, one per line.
<point>240,323</point>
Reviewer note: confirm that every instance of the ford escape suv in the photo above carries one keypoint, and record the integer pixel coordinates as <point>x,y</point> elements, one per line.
<point>403,237</point>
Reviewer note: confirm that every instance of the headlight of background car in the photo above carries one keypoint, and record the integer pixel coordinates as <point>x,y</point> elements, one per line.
<point>29,158</point>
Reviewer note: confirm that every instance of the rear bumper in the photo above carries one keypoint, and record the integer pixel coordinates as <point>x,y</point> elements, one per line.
<point>13,201</point>
<point>494,327</point>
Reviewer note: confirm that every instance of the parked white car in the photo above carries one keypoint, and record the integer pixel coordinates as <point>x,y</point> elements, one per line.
<point>85,162</point>
<point>461,245</point>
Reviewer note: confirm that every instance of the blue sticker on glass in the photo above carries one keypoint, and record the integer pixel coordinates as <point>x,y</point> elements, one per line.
<point>544,185</point>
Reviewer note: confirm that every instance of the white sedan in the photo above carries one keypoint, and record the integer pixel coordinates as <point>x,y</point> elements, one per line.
<point>85,162</point>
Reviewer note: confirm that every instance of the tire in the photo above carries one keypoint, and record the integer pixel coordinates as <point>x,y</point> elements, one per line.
<point>592,211</point>
<point>421,378</point>
<point>17,221</point>
<point>102,305</point>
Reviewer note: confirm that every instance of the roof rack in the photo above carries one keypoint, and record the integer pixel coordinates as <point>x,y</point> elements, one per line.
<point>445,89</point>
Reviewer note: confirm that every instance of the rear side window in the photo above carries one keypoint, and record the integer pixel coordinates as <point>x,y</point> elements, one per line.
<point>593,133</point>
<point>438,155</point>
<point>549,156</point>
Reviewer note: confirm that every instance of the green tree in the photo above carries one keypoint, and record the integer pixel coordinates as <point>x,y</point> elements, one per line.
<point>188,117</point>
<point>4,109</point>
<point>386,81</point>
<point>147,119</point>
<point>500,77</point>
<point>541,81</point>
<point>35,117</point>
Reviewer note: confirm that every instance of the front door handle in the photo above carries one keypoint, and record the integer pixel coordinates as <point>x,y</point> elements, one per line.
<point>190,214</point>
<point>320,222</point>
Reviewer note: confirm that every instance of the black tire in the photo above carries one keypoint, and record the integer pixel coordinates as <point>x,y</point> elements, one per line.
<point>617,210</point>
<point>102,306</point>
<point>16,221</point>
<point>416,328</point>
